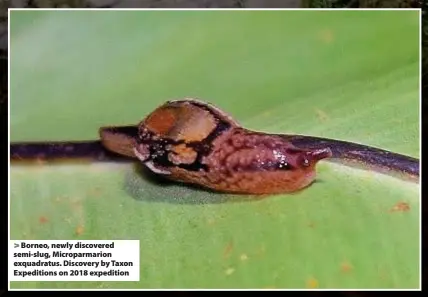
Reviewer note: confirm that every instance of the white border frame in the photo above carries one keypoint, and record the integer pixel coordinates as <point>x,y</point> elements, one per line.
<point>232,9</point>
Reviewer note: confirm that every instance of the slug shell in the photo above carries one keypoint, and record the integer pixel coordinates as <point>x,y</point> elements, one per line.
<point>194,142</point>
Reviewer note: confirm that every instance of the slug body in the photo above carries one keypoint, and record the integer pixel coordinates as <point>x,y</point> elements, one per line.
<point>194,142</point>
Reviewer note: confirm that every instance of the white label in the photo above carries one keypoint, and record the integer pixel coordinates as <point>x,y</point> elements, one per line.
<point>74,260</point>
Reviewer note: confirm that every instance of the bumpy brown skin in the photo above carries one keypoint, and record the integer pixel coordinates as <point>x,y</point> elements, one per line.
<point>192,142</point>
<point>242,162</point>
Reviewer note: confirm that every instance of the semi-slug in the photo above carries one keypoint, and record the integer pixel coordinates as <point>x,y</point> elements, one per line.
<point>195,142</point>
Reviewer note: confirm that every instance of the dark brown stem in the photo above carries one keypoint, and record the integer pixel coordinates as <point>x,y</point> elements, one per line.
<point>359,155</point>
<point>92,151</point>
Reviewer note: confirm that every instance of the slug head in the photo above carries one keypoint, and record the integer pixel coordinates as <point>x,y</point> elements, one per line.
<point>304,163</point>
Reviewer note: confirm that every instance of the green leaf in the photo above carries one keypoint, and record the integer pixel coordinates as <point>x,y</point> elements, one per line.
<point>350,75</point>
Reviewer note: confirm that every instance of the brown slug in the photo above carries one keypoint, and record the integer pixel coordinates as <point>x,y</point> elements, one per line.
<point>194,142</point>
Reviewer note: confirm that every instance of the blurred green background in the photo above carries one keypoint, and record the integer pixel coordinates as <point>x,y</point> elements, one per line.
<point>351,75</point>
